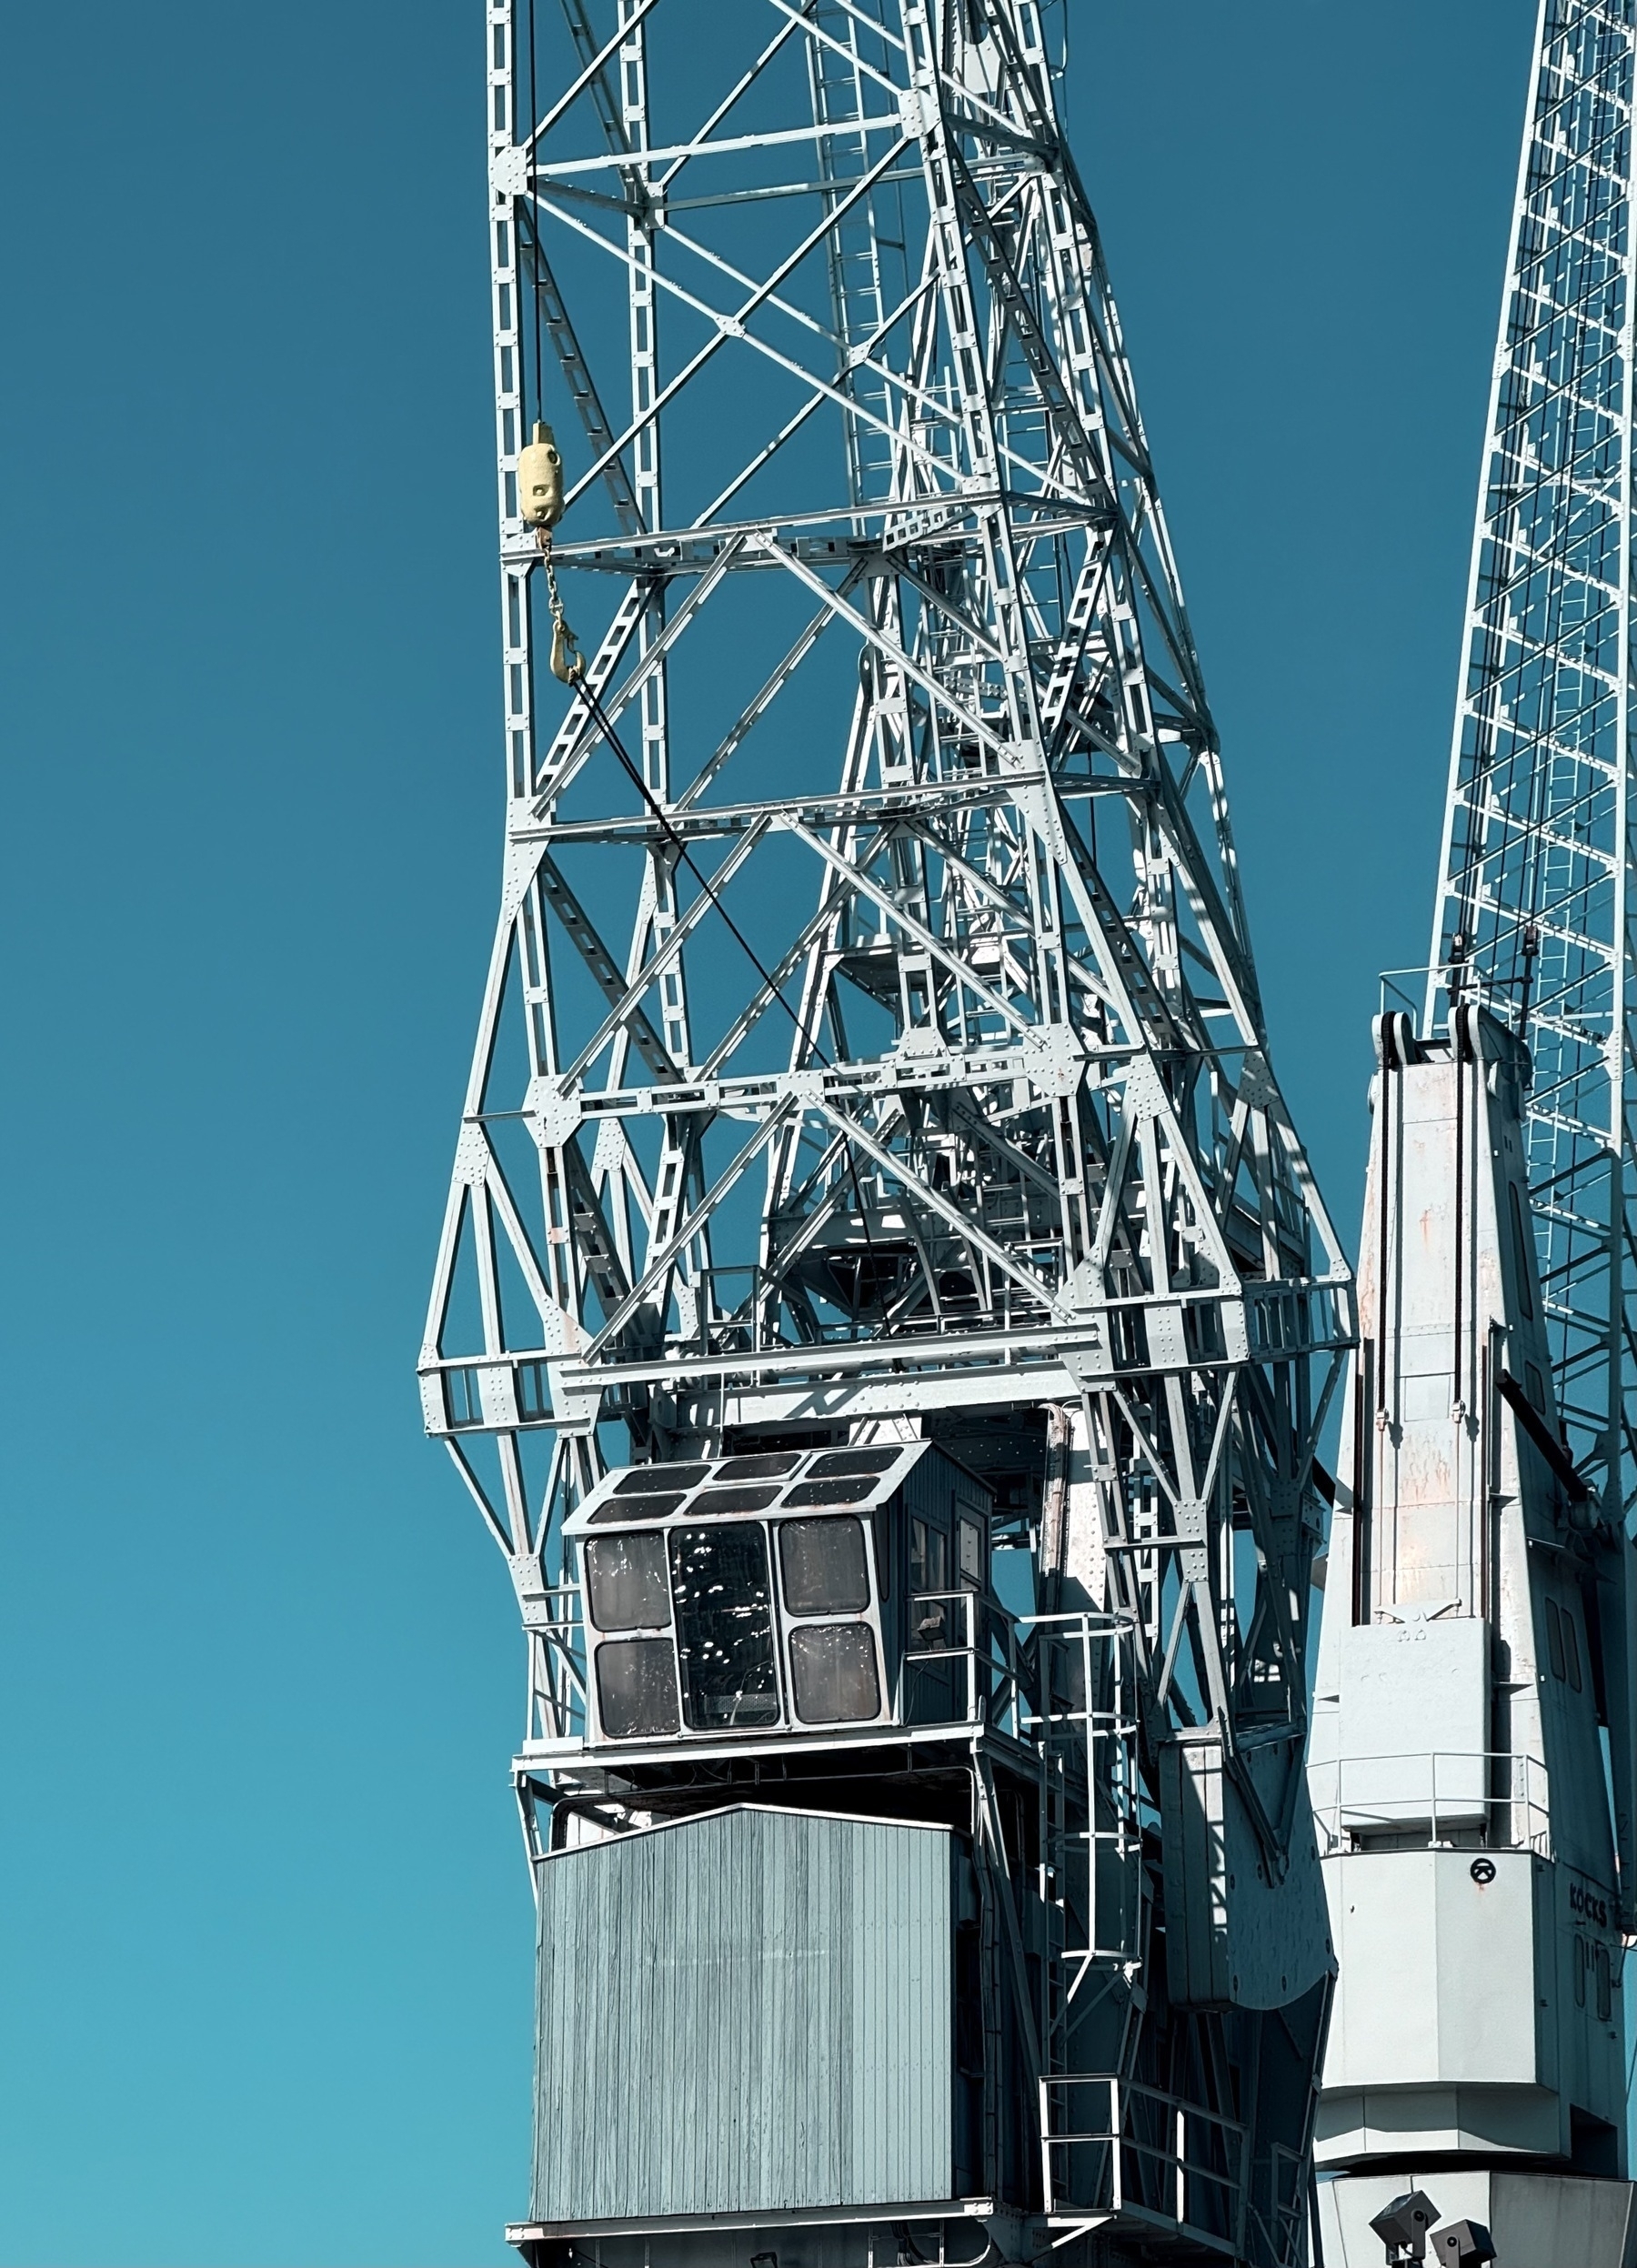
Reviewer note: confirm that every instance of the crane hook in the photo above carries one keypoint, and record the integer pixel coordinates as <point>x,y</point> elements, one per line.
<point>567,663</point>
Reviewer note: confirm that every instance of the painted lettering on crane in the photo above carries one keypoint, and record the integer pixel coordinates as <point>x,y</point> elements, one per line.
<point>1590,1904</point>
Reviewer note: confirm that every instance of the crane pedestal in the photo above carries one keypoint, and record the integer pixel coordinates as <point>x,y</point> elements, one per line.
<point>1534,2220</point>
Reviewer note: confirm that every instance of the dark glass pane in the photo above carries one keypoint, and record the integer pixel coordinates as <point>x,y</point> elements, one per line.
<point>625,1580</point>
<point>638,1508</point>
<point>824,1568</point>
<point>830,1491</point>
<point>636,1687</point>
<point>834,1668</point>
<point>845,1463</point>
<point>714,1501</point>
<point>765,1465</point>
<point>720,1582</point>
<point>648,1479</point>
<point>929,1556</point>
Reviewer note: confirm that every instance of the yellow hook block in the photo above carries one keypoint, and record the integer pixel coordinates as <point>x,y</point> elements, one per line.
<point>540,481</point>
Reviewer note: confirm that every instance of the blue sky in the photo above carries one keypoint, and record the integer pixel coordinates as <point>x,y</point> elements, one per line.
<point>264,1931</point>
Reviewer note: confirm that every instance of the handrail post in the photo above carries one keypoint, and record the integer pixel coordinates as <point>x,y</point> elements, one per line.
<point>1181,2148</point>
<point>1116,2129</point>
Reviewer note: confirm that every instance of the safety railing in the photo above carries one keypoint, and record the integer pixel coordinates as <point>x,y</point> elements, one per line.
<point>968,1665</point>
<point>965,1662</point>
<point>1433,1796</point>
<point>553,1626</point>
<point>1081,1715</point>
<point>1114,2146</point>
<point>739,1307</point>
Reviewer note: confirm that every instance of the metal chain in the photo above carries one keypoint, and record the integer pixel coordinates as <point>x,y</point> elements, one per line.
<point>567,663</point>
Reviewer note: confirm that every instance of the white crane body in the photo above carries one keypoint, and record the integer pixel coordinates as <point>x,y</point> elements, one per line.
<point>1471,1748</point>
<point>1472,1765</point>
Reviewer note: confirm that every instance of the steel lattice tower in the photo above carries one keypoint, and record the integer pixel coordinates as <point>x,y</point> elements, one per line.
<point>872,1049</point>
<point>1533,916</point>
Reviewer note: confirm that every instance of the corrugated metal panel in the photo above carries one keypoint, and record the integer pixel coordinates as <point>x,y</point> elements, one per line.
<point>746,2012</point>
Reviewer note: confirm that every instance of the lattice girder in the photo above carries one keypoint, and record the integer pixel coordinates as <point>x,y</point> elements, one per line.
<point>872,1037</point>
<point>1532,916</point>
<point>981,1110</point>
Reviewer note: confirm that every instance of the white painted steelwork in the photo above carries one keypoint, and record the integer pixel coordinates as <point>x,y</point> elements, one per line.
<point>872,1046</point>
<point>1473,1661</point>
<point>1472,1749</point>
<point>1532,918</point>
<point>1475,1727</point>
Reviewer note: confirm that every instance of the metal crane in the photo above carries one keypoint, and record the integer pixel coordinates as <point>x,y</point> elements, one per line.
<point>1475,1714</point>
<point>884,1313</point>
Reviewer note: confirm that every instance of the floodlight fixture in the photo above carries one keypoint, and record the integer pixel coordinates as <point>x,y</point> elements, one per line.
<point>1463,2244</point>
<point>1403,2225</point>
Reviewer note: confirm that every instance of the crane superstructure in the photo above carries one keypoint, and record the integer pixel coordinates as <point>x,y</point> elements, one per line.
<point>1473,1750</point>
<point>884,1313</point>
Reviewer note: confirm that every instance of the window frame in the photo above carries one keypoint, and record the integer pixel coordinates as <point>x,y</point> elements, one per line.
<point>590,1547</point>
<point>713,1532</point>
<point>868,1615</point>
<point>810,1629</point>
<point>594,1682</point>
<point>794,1614</point>
<point>634,1515</point>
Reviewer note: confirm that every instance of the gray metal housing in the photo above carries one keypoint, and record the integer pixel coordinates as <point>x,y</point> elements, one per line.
<point>770,1997</point>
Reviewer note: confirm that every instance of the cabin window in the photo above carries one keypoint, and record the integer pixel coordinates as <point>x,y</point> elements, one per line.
<point>846,1464</point>
<point>929,1573</point>
<point>625,1582</point>
<point>1571,1647</point>
<point>1605,1992</point>
<point>929,1556</point>
<point>716,1501</point>
<point>722,1584</point>
<point>833,1669</point>
<point>969,1539</point>
<point>843,1491</point>
<point>824,1566</point>
<point>638,1508</point>
<point>652,1479</point>
<point>636,1687</point>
